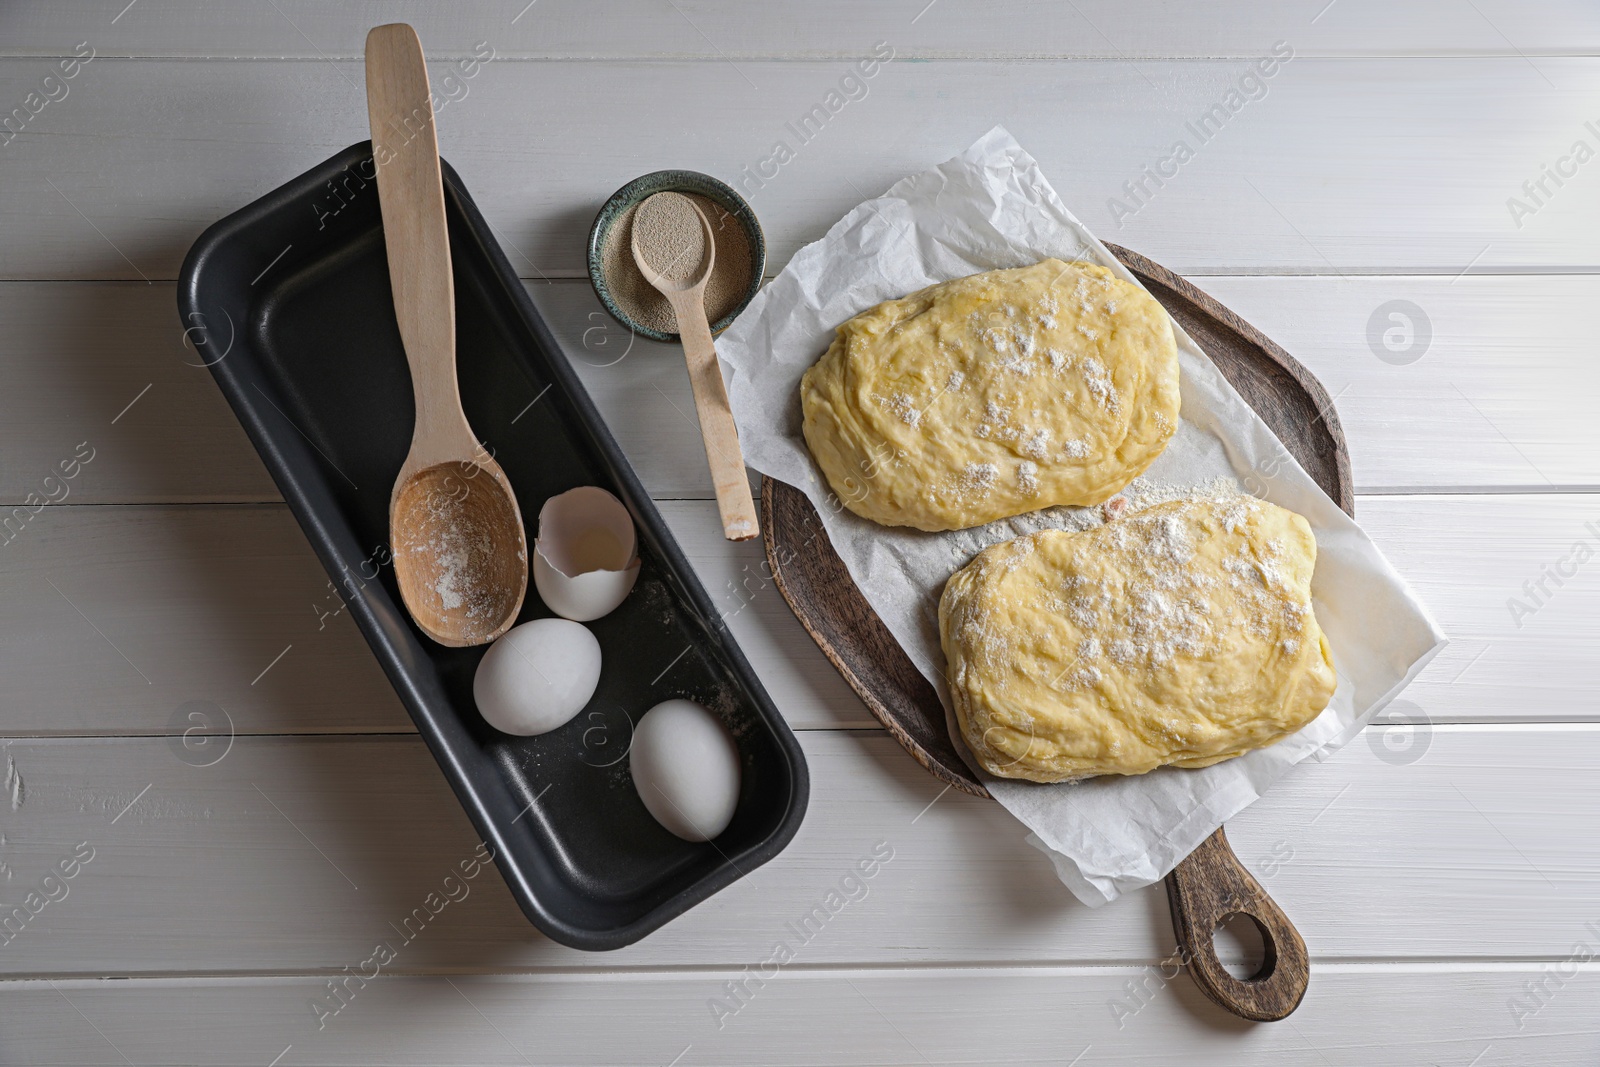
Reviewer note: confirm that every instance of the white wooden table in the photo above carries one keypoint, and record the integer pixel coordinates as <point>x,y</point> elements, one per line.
<point>1446,875</point>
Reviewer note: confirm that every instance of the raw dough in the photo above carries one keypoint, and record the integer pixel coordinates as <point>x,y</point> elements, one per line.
<point>994,395</point>
<point>1182,634</point>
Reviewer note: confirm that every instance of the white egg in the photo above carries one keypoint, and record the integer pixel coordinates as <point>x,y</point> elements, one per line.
<point>686,769</point>
<point>584,561</point>
<point>537,677</point>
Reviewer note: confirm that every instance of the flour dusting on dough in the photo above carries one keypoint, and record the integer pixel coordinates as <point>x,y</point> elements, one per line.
<point>979,477</point>
<point>1182,634</point>
<point>1061,365</point>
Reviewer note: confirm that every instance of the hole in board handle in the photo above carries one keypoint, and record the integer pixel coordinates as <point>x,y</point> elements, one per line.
<point>1243,947</point>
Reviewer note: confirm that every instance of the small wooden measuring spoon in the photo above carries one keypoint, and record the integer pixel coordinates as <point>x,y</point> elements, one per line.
<point>460,553</point>
<point>675,252</point>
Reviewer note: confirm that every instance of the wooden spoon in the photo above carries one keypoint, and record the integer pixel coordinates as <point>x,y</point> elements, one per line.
<point>672,259</point>
<point>460,553</point>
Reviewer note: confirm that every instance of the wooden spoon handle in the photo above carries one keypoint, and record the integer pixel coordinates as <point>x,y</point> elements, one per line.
<point>1204,890</point>
<point>716,418</point>
<point>411,198</point>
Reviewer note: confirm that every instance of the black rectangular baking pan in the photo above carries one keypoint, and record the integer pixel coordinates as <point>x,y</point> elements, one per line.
<point>288,302</point>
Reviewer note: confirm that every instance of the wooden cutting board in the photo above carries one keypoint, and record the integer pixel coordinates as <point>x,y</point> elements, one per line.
<point>1210,886</point>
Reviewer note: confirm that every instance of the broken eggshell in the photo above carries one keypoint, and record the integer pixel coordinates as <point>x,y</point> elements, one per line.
<point>585,557</point>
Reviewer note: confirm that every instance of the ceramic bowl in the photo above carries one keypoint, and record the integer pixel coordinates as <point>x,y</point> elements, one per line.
<point>675,181</point>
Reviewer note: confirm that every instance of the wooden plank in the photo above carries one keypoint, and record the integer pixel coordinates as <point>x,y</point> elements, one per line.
<point>1514,656</point>
<point>1286,186</point>
<point>560,29</point>
<point>122,617</point>
<point>1501,397</point>
<point>201,599</point>
<point>104,366</point>
<point>799,1016</point>
<point>137,616</point>
<point>1492,387</point>
<point>1470,565</point>
<point>298,855</point>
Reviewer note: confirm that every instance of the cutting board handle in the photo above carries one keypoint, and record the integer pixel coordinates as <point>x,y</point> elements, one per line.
<point>1206,889</point>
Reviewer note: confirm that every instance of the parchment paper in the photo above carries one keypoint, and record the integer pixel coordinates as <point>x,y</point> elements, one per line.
<point>989,208</point>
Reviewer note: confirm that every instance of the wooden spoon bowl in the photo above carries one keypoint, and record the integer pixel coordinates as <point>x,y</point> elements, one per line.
<point>459,554</point>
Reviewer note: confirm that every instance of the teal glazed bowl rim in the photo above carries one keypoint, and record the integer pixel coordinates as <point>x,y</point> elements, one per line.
<point>675,181</point>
